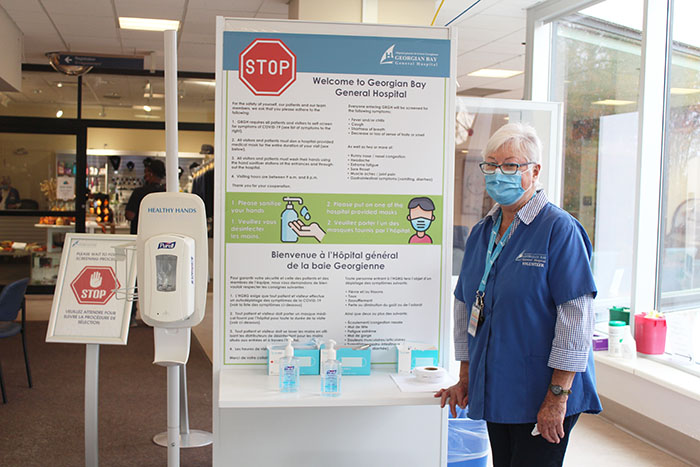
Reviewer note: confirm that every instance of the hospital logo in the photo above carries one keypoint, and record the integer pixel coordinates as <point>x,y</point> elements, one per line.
<point>391,56</point>
<point>537,260</point>
<point>388,56</point>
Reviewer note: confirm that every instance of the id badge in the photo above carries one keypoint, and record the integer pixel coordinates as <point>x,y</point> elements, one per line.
<point>474,319</point>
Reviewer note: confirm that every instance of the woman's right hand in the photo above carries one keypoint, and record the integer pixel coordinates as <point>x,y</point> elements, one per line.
<point>456,395</point>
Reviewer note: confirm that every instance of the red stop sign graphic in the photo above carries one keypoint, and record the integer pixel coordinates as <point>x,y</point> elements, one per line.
<point>267,67</point>
<point>94,285</point>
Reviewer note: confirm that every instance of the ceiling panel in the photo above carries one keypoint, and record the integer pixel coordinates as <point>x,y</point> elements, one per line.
<point>92,44</point>
<point>508,8</point>
<point>15,6</point>
<point>474,61</point>
<point>163,9</point>
<point>86,25</point>
<point>195,38</point>
<point>243,5</point>
<point>209,16</point>
<point>490,34</point>
<point>275,7</point>
<point>78,8</point>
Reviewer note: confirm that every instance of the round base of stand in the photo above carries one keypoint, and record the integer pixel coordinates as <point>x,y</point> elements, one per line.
<point>195,439</point>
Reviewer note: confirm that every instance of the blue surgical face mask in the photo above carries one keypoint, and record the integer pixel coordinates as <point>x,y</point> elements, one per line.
<point>420,224</point>
<point>504,189</point>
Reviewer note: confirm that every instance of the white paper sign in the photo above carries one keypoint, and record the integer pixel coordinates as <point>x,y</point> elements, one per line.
<point>89,304</point>
<point>65,187</point>
<point>336,190</point>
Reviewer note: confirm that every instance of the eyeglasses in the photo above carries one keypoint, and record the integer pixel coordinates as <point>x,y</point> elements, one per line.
<point>509,168</point>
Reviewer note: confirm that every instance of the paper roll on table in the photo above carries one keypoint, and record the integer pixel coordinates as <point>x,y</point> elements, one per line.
<point>429,374</point>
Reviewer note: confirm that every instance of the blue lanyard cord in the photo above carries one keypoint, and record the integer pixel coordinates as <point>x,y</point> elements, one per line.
<point>491,254</point>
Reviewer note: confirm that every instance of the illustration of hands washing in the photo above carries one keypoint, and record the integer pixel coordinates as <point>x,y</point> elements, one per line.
<point>292,227</point>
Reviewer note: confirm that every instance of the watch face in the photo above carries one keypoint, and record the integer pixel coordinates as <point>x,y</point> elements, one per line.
<point>556,390</point>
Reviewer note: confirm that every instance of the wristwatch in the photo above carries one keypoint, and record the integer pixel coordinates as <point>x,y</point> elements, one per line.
<point>558,390</point>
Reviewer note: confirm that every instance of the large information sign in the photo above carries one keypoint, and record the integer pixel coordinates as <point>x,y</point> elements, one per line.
<point>89,304</point>
<point>335,213</point>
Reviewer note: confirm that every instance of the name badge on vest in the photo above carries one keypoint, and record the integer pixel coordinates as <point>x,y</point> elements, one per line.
<point>475,317</point>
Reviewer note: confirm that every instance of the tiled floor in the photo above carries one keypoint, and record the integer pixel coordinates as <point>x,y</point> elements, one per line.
<point>597,442</point>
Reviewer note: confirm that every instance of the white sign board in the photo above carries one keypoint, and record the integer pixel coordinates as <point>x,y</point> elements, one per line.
<point>335,159</point>
<point>89,305</point>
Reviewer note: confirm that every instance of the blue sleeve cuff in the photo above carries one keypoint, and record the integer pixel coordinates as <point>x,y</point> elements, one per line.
<point>568,360</point>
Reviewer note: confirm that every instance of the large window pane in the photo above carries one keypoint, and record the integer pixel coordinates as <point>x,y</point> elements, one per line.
<point>115,162</point>
<point>596,74</point>
<point>680,251</point>
<point>43,94</point>
<point>37,172</point>
<point>122,97</point>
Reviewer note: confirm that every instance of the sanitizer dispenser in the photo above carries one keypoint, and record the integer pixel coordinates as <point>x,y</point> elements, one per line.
<point>172,260</point>
<point>169,266</point>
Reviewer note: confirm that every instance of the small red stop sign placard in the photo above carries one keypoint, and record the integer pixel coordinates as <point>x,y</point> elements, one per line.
<point>267,67</point>
<point>94,285</point>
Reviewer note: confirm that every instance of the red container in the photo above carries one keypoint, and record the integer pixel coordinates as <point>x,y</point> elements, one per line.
<point>650,334</point>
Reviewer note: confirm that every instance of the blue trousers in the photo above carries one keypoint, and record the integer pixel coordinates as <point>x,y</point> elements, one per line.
<point>512,445</point>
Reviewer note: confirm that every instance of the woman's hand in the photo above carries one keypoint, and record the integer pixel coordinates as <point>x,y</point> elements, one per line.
<point>550,418</point>
<point>454,395</point>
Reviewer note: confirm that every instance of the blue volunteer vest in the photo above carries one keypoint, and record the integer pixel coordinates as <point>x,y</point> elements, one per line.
<point>543,264</point>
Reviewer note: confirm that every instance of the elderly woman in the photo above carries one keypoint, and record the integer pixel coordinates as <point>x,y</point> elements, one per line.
<point>523,312</point>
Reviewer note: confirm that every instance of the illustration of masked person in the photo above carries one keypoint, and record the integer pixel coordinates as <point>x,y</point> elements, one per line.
<point>420,215</point>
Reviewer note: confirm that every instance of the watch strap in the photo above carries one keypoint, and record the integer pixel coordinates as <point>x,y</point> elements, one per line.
<point>558,390</point>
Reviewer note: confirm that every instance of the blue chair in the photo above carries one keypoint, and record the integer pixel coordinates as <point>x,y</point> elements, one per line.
<point>11,301</point>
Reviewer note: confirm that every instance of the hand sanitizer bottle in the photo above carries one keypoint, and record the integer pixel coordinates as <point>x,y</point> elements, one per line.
<point>289,369</point>
<point>331,371</point>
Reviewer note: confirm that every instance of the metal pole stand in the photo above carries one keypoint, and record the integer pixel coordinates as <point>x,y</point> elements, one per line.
<point>188,438</point>
<point>92,373</point>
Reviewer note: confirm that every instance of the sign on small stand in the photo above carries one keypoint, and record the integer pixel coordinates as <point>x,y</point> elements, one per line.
<point>92,306</point>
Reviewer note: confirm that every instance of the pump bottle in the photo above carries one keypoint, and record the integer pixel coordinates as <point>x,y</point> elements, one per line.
<point>288,235</point>
<point>289,369</point>
<point>331,372</point>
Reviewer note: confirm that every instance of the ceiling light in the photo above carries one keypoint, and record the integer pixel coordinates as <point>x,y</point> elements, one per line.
<point>147,108</point>
<point>201,82</point>
<point>684,91</point>
<point>149,24</point>
<point>146,116</point>
<point>494,73</point>
<point>59,113</point>
<point>59,84</point>
<point>613,102</point>
<point>154,95</point>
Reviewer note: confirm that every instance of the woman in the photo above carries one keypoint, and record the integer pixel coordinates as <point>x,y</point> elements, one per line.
<point>523,312</point>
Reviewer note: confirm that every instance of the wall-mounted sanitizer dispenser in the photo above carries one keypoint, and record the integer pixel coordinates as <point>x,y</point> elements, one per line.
<point>172,260</point>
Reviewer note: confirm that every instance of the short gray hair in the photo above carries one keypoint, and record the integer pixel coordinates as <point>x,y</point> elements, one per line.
<point>519,137</point>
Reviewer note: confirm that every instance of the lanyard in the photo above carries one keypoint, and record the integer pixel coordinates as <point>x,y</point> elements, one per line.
<point>491,254</point>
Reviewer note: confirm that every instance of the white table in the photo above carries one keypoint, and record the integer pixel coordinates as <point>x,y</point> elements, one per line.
<point>372,423</point>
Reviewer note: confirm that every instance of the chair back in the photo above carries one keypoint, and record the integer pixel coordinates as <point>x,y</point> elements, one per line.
<point>11,299</point>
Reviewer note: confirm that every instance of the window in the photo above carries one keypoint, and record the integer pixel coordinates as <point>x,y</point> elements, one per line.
<point>680,210</point>
<point>596,68</point>
<point>596,61</point>
<point>142,98</point>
